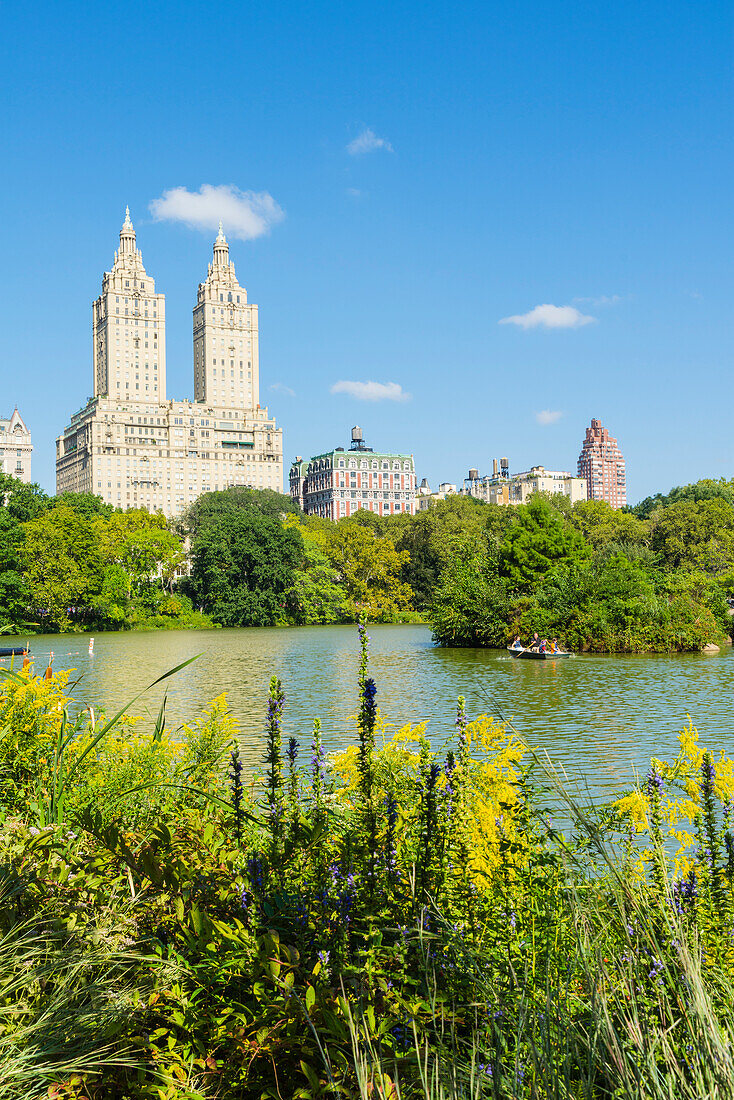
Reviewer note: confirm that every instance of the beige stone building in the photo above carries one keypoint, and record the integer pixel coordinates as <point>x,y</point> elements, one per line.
<point>425,496</point>
<point>501,488</point>
<point>539,480</point>
<point>15,447</point>
<point>132,446</point>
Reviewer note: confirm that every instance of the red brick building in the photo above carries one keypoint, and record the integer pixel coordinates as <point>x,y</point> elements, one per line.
<point>338,483</point>
<point>602,464</point>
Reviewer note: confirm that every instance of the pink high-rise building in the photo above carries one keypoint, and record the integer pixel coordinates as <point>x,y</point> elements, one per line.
<point>602,464</point>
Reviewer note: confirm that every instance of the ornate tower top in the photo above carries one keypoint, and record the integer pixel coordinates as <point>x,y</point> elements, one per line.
<point>221,273</point>
<point>128,255</point>
<point>221,252</point>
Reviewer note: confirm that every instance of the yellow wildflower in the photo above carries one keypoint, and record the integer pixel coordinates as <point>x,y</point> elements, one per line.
<point>634,807</point>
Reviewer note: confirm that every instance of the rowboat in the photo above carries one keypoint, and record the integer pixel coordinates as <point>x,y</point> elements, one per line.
<point>13,651</point>
<point>536,654</point>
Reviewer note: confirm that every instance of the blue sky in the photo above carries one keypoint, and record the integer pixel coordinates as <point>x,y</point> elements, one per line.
<point>438,168</point>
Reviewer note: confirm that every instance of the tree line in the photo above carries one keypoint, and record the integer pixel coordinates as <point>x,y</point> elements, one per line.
<point>74,563</point>
<point>655,577</point>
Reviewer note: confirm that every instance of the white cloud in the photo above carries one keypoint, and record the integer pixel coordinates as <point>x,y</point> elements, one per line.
<point>368,142</point>
<point>280,388</point>
<point>548,316</point>
<point>548,416</point>
<point>354,193</point>
<point>244,214</point>
<point>372,391</point>
<point>602,300</point>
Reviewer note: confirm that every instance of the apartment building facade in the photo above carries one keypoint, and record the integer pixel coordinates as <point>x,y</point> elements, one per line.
<point>500,487</point>
<point>602,465</point>
<point>340,482</point>
<point>16,447</point>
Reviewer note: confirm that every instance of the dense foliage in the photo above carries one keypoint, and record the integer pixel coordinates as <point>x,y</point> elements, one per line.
<point>72,562</point>
<point>658,577</point>
<point>391,921</point>
<point>596,578</point>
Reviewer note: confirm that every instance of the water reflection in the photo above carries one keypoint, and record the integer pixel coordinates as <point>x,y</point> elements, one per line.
<point>596,716</point>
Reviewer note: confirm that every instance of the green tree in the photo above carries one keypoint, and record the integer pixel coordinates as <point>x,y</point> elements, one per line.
<point>433,538</point>
<point>696,534</point>
<point>62,564</point>
<point>367,565</point>
<point>539,540</point>
<point>14,591</point>
<point>235,499</point>
<point>113,603</point>
<point>600,524</point>
<point>612,604</point>
<point>22,502</point>
<point>143,546</point>
<point>471,604</point>
<point>242,564</point>
<point>706,489</point>
<point>315,595</point>
<point>84,504</point>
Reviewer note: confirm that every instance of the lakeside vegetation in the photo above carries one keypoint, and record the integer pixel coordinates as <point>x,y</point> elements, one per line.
<point>396,920</point>
<point>653,578</point>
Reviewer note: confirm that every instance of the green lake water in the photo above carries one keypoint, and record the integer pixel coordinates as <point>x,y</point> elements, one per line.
<point>597,717</point>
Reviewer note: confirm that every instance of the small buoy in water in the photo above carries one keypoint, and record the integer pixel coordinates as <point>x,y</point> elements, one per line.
<point>91,645</point>
<point>49,670</point>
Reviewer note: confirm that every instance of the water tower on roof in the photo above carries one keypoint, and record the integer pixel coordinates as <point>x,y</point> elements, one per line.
<point>358,443</point>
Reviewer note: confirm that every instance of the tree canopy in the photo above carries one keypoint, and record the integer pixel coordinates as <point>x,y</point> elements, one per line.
<point>654,577</point>
<point>242,564</point>
<point>538,541</point>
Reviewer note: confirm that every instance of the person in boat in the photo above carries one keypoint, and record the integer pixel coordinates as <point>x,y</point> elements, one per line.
<point>543,645</point>
<point>535,644</point>
<point>553,647</point>
<point>517,644</point>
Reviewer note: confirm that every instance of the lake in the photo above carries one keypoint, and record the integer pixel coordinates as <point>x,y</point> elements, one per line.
<point>597,717</point>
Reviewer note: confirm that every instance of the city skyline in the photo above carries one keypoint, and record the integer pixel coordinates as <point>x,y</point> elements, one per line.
<point>469,231</point>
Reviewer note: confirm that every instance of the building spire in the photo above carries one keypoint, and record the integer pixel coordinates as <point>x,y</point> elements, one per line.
<point>221,250</point>
<point>128,247</point>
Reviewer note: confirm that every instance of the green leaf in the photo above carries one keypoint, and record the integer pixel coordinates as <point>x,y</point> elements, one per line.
<point>274,967</point>
<point>310,998</point>
<point>311,1076</point>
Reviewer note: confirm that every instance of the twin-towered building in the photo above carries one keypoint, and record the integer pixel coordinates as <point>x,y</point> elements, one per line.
<point>338,483</point>
<point>135,448</point>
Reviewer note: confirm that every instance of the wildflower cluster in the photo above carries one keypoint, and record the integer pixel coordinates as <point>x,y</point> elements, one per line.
<point>395,906</point>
